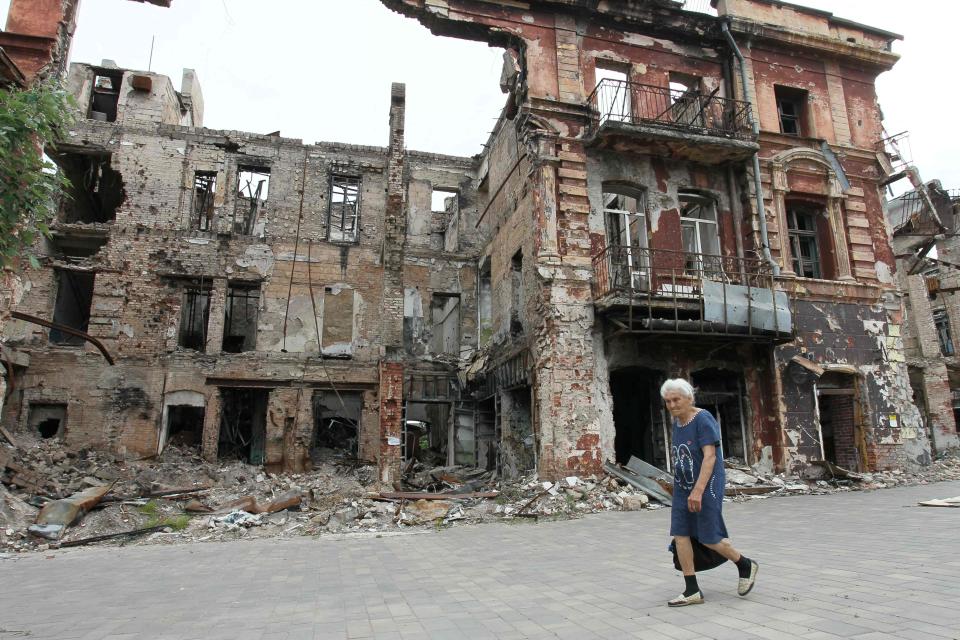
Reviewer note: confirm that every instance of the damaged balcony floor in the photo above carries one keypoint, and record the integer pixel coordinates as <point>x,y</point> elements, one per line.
<point>864,565</point>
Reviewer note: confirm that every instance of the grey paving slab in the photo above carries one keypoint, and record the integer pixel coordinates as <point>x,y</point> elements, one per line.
<point>853,565</point>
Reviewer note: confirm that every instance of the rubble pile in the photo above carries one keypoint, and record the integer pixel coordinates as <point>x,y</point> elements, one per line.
<point>51,496</point>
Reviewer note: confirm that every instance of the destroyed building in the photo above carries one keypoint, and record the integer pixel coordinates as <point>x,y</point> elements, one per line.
<point>925,220</point>
<point>667,192</point>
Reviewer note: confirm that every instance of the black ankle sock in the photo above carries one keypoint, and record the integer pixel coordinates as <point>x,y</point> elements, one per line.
<point>743,566</point>
<point>692,586</point>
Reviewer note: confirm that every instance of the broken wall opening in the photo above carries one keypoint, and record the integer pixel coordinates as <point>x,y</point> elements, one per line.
<point>243,424</point>
<point>72,306</point>
<point>518,444</point>
<point>721,392</point>
<point>48,420</point>
<point>488,434</point>
<point>426,430</point>
<point>841,433</point>
<point>336,424</point>
<point>96,190</point>
<point>485,301</point>
<point>638,416</point>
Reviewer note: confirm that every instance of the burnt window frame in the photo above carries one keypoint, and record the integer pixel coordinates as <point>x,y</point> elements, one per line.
<point>196,215</point>
<point>798,100</point>
<point>190,290</point>
<point>941,323</point>
<point>347,179</point>
<point>228,310</point>
<point>245,225</point>
<point>802,237</point>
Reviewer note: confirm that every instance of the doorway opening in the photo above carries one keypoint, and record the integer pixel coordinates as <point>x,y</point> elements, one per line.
<point>518,444</point>
<point>721,392</point>
<point>841,434</point>
<point>638,416</point>
<point>243,424</point>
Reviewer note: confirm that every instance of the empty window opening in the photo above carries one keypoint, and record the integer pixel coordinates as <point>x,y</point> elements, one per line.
<point>791,108</point>
<point>204,190</point>
<point>944,337</point>
<point>721,392</point>
<point>336,424</point>
<point>485,301</point>
<point>802,231</point>
<point>516,293</point>
<point>627,235</point>
<point>613,93</point>
<point>243,424</point>
<point>253,186</point>
<point>338,321</point>
<point>343,217</point>
<point>701,237</point>
<point>95,191</point>
<point>445,315</point>
<point>443,201</point>
<point>638,417</point>
<point>686,101</point>
<point>841,435</point>
<point>72,308</point>
<point>240,317</point>
<point>105,96</point>
<point>194,315</point>
<point>48,420</point>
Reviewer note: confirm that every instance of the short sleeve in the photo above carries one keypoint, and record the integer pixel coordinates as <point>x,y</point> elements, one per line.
<point>708,431</point>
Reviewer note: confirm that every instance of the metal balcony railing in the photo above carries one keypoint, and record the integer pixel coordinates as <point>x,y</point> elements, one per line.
<point>664,290</point>
<point>690,111</point>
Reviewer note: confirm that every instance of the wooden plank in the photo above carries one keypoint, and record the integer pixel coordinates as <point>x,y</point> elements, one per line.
<point>9,437</point>
<point>415,495</point>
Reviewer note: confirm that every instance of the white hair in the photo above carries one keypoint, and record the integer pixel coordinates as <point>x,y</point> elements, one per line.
<point>679,385</point>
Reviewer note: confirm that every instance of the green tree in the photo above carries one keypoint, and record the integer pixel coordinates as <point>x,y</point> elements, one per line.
<point>31,120</point>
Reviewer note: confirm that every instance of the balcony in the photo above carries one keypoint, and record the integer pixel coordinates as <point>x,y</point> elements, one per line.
<point>640,118</point>
<point>643,290</point>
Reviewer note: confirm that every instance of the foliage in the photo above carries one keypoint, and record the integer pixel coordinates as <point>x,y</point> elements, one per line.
<point>149,509</point>
<point>30,187</point>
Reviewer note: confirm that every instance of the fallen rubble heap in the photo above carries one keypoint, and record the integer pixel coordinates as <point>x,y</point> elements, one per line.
<point>51,496</point>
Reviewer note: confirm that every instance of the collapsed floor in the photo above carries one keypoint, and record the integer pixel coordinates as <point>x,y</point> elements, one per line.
<point>178,497</point>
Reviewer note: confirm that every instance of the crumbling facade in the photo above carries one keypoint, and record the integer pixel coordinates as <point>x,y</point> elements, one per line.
<point>924,223</point>
<point>666,193</point>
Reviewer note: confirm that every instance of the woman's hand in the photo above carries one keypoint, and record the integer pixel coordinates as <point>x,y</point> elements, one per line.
<point>695,500</point>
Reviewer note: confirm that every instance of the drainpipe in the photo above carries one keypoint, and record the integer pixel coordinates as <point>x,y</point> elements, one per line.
<point>764,239</point>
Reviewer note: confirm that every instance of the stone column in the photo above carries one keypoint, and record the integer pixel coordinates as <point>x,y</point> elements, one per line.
<point>218,307</point>
<point>211,425</point>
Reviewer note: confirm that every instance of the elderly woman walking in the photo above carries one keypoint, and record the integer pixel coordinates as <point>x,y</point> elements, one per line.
<point>698,483</point>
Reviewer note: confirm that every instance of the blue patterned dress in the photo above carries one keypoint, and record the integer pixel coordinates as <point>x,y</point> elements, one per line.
<point>707,526</point>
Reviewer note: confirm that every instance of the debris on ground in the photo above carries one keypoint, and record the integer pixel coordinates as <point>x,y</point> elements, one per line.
<point>179,497</point>
<point>947,502</point>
